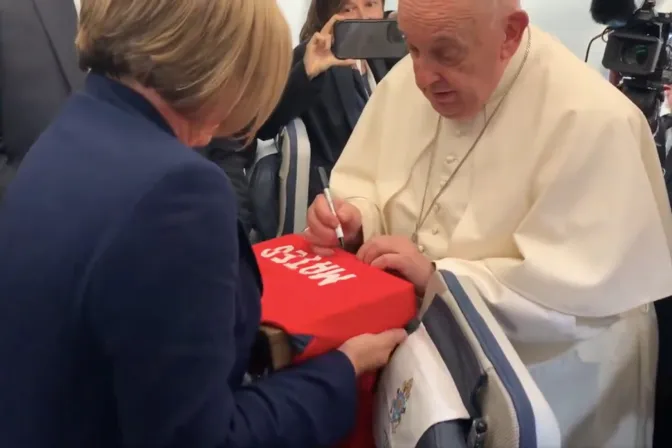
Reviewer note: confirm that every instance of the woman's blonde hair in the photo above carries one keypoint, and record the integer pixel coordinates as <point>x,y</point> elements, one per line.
<point>201,56</point>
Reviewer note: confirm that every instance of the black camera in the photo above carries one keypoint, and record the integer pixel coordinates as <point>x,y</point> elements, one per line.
<point>637,49</point>
<point>633,54</point>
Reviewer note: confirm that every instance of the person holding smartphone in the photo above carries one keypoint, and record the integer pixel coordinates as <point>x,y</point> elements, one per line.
<point>328,94</point>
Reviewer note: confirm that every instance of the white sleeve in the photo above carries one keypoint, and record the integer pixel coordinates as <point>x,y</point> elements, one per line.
<point>522,319</point>
<point>372,221</point>
<point>354,176</point>
<point>593,244</point>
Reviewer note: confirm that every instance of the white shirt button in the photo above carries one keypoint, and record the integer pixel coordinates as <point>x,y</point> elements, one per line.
<point>450,159</point>
<point>421,248</point>
<point>435,231</point>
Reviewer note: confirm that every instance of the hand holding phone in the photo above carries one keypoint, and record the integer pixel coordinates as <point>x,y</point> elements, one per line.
<point>368,39</point>
<point>319,56</point>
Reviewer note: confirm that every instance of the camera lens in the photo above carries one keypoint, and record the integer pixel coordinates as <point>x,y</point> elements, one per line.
<point>393,33</point>
<point>635,54</point>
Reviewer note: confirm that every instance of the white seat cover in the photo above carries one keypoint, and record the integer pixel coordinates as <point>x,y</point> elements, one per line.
<point>458,382</point>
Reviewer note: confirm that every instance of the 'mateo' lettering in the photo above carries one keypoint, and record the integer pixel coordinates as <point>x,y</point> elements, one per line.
<point>313,267</point>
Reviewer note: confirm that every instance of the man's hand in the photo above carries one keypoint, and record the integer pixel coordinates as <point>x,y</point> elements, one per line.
<point>397,253</point>
<point>321,230</point>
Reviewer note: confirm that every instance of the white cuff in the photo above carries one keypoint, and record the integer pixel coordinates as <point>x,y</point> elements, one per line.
<point>371,219</point>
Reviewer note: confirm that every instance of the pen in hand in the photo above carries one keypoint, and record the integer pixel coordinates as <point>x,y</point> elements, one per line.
<point>327,194</point>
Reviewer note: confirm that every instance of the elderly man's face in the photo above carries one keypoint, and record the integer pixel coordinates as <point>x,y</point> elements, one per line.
<point>459,51</point>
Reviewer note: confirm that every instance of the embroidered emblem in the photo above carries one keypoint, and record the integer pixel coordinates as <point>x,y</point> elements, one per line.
<point>398,408</point>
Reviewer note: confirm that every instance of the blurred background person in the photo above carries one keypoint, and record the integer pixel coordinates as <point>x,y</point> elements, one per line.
<point>662,435</point>
<point>236,158</point>
<point>326,93</point>
<point>38,70</point>
<point>130,295</point>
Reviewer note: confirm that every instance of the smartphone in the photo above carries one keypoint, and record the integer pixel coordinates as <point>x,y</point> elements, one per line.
<point>368,39</point>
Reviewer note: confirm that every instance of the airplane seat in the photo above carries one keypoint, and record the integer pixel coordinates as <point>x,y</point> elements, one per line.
<point>458,382</point>
<point>264,191</point>
<point>279,182</point>
<point>294,177</point>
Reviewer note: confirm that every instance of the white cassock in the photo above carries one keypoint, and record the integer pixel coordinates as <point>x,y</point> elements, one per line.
<point>559,216</point>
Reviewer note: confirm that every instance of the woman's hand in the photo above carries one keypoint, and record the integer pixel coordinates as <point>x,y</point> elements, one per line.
<point>319,57</point>
<point>370,352</point>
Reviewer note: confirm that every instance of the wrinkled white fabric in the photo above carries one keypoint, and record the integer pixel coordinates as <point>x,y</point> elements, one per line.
<point>559,216</point>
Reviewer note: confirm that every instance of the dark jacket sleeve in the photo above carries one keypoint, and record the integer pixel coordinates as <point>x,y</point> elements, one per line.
<point>6,171</point>
<point>299,95</point>
<point>163,308</point>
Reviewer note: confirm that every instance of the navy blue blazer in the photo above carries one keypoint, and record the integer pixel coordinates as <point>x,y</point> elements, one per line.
<point>130,298</point>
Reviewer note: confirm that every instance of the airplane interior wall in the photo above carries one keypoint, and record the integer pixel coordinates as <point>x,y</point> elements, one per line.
<point>295,12</point>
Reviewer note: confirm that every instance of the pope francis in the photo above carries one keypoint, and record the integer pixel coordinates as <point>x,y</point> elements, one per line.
<point>514,164</point>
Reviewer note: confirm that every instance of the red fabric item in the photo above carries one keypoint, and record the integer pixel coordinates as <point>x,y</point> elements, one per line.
<point>326,301</point>
<point>330,299</point>
<point>362,436</point>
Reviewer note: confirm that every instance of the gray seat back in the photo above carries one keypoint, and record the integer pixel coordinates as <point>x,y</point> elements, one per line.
<point>264,191</point>
<point>294,176</point>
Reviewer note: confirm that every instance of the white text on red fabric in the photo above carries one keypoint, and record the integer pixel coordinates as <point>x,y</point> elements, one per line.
<point>313,267</point>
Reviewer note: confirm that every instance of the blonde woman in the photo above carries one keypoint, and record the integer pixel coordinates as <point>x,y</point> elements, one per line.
<point>129,296</point>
